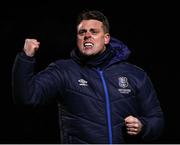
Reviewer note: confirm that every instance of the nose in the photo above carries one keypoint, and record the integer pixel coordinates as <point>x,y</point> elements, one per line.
<point>87,35</point>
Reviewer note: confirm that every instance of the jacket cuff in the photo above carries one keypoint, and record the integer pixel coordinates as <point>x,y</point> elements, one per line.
<point>24,56</point>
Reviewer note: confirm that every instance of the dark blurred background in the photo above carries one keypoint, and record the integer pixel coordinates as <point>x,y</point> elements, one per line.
<point>149,29</point>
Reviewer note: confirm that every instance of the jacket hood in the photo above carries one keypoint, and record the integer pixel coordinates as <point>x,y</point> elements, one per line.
<point>120,50</point>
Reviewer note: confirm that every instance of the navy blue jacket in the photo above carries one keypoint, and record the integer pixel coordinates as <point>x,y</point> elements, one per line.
<point>94,99</point>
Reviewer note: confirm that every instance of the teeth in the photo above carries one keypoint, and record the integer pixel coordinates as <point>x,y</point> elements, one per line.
<point>88,44</point>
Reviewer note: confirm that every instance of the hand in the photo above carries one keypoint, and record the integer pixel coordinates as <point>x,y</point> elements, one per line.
<point>31,46</point>
<point>133,125</point>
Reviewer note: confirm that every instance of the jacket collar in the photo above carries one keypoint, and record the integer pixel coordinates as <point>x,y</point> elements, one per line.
<point>116,51</point>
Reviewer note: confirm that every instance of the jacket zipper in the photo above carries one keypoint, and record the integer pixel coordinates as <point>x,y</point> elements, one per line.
<point>107,106</point>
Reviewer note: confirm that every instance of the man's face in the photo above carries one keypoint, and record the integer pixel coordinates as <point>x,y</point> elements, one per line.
<point>91,38</point>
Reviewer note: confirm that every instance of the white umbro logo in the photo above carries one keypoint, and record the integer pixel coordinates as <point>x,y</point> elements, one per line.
<point>82,82</point>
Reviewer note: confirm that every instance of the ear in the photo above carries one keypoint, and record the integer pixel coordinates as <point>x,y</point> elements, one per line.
<point>106,38</point>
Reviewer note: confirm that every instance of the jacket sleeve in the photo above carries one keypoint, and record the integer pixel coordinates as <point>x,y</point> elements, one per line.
<point>151,113</point>
<point>33,89</point>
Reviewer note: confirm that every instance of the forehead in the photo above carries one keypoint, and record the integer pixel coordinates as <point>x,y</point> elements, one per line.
<point>85,24</point>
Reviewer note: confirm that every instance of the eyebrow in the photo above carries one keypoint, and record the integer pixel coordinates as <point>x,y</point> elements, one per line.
<point>85,30</point>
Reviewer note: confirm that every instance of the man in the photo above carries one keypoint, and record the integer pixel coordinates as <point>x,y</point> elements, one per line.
<point>103,99</point>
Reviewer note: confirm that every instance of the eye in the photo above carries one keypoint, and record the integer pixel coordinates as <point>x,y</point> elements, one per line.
<point>94,32</point>
<point>81,32</point>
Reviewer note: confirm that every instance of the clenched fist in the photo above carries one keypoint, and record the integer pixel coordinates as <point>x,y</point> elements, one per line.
<point>31,46</point>
<point>133,125</point>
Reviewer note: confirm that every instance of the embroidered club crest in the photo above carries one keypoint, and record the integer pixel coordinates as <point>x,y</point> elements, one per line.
<point>123,82</point>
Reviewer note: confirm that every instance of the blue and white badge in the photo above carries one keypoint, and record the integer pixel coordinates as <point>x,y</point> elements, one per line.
<point>123,82</point>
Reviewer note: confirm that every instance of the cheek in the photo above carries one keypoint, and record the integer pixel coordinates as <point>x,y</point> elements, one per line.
<point>80,46</point>
<point>79,42</point>
<point>100,43</point>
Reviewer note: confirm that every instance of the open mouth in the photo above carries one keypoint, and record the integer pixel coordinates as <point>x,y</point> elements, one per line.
<point>88,45</point>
